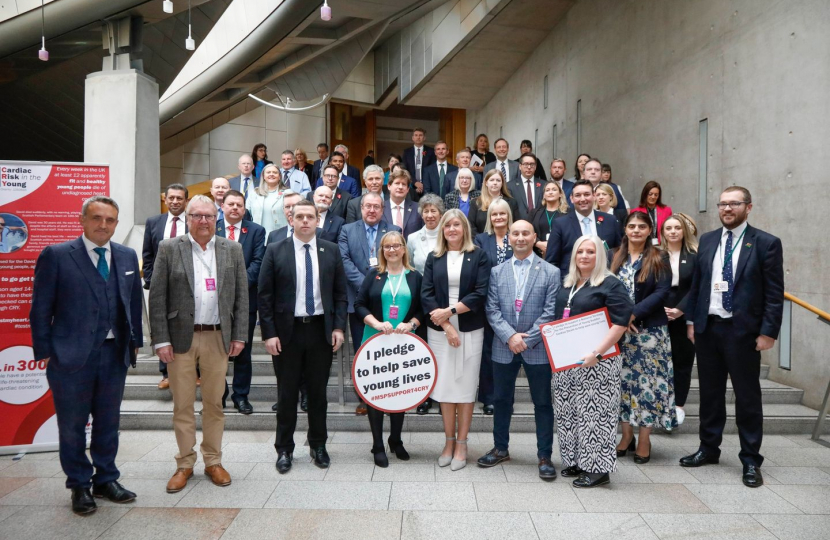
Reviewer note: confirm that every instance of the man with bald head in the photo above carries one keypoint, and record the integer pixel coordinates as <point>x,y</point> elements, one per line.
<point>522,296</point>
<point>328,224</point>
<point>247,180</point>
<point>218,188</point>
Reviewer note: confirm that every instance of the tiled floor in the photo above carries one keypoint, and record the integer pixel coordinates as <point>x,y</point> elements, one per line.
<point>417,499</point>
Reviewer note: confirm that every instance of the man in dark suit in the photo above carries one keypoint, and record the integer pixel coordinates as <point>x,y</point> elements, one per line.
<point>583,220</point>
<point>557,174</point>
<point>252,239</point>
<point>339,197</point>
<point>157,228</point>
<point>735,306</point>
<point>462,157</point>
<point>359,245</point>
<point>218,187</point>
<point>328,224</point>
<point>86,328</point>
<point>344,182</point>
<point>348,170</point>
<point>527,188</point>
<point>509,169</point>
<point>319,164</point>
<point>397,209</point>
<point>199,314</point>
<point>302,303</point>
<point>436,173</point>
<point>416,159</point>
<point>247,180</point>
<point>288,231</point>
<point>369,159</point>
<point>526,147</point>
<point>373,178</point>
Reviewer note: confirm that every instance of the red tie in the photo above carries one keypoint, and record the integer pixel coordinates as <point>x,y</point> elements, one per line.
<point>173,228</point>
<point>231,235</point>
<point>529,196</point>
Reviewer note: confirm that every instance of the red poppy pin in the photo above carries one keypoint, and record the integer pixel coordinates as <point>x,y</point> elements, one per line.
<point>244,230</point>
<point>600,219</point>
<point>338,195</point>
<point>538,184</point>
<point>378,278</point>
<point>423,152</point>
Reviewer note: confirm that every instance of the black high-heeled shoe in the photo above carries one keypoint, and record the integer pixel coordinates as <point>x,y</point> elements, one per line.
<point>632,446</point>
<point>640,460</point>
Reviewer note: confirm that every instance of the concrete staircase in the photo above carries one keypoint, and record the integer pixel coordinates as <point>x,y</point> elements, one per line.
<point>147,407</point>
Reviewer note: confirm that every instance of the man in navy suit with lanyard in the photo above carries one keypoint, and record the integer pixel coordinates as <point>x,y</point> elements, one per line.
<point>735,306</point>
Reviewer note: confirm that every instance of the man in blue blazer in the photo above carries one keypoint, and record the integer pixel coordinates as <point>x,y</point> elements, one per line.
<point>359,255</point>
<point>522,295</point>
<point>86,326</point>
<point>329,224</point>
<point>344,182</point>
<point>398,209</point>
<point>416,159</point>
<point>247,180</point>
<point>462,157</point>
<point>583,219</point>
<point>734,311</point>
<point>252,238</point>
<point>436,173</point>
<point>348,170</point>
<point>557,174</point>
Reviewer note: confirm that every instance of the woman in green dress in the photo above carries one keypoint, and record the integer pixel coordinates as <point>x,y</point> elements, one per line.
<point>389,301</point>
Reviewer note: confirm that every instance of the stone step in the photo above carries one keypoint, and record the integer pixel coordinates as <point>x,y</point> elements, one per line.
<point>264,388</point>
<point>779,419</point>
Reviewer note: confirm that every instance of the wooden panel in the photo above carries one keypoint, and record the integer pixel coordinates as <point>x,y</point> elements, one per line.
<point>453,130</point>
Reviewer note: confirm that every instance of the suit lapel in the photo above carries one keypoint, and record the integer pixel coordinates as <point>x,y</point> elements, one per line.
<point>748,241</point>
<point>220,228</point>
<point>290,269</point>
<point>186,253</point>
<point>81,258</point>
<point>121,265</point>
<point>220,248</point>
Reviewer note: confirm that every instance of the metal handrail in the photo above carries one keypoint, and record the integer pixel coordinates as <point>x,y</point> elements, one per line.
<point>784,353</point>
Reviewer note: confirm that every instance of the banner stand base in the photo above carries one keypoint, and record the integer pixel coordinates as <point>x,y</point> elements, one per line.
<point>28,448</point>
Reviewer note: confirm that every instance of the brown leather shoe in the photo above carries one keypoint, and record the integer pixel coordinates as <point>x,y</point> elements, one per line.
<point>218,475</point>
<point>179,480</point>
<point>164,384</point>
<point>361,410</point>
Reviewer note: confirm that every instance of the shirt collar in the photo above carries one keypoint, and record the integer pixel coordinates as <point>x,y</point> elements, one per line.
<point>580,217</point>
<point>237,227</point>
<point>210,244</point>
<point>369,227</point>
<point>298,244</point>
<point>439,163</point>
<point>170,216</point>
<point>526,261</point>
<point>736,232</point>
<point>525,180</point>
<point>500,161</point>
<point>90,245</point>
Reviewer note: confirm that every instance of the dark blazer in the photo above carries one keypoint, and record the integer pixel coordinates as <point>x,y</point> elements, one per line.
<point>567,188</point>
<point>453,199</point>
<point>432,180</point>
<point>235,182</point>
<point>153,234</point>
<point>478,218</point>
<point>354,250</point>
<point>252,240</point>
<point>309,172</point>
<point>568,229</point>
<point>517,189</point>
<point>354,174</point>
<point>475,278</point>
<point>650,296</point>
<point>278,290</point>
<point>487,242</point>
<point>449,181</point>
<point>339,201</point>
<point>65,303</point>
<point>758,293</point>
<point>539,219</point>
<point>316,171</point>
<point>369,299</point>
<point>353,212</point>
<point>282,233</point>
<point>427,159</point>
<point>678,296</point>
<point>330,230</point>
<point>512,168</point>
<point>346,183</point>
<point>412,221</point>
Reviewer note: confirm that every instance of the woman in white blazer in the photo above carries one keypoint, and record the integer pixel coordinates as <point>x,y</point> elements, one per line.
<point>265,203</point>
<point>422,243</point>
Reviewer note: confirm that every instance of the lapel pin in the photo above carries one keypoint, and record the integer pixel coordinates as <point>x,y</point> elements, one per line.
<point>322,249</point>
<point>748,245</point>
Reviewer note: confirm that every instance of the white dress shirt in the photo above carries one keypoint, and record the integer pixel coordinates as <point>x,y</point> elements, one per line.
<point>322,219</point>
<point>592,225</point>
<point>204,267</point>
<point>168,226</point>
<point>498,164</point>
<point>395,206</point>
<point>299,260</point>
<point>237,230</point>
<point>716,298</point>
<point>90,246</point>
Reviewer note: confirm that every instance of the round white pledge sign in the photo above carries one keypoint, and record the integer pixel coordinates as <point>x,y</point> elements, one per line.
<point>394,373</point>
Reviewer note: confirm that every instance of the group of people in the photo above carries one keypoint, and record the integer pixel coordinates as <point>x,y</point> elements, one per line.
<point>471,259</point>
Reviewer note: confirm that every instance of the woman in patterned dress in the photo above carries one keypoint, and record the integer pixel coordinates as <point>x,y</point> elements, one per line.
<point>647,372</point>
<point>586,398</point>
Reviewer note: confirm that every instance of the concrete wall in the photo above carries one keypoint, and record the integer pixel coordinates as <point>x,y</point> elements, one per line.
<point>216,152</point>
<point>648,71</point>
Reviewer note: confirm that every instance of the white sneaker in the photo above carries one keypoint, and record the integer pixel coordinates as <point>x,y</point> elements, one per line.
<point>681,415</point>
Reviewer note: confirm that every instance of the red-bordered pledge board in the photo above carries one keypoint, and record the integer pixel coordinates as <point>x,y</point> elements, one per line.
<point>567,341</point>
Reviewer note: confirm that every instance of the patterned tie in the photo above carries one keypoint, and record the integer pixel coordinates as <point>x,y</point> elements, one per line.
<point>503,172</point>
<point>309,282</point>
<point>286,175</point>
<point>586,225</point>
<point>727,273</point>
<point>245,189</point>
<point>418,164</point>
<point>173,229</point>
<point>103,269</point>
<point>529,195</point>
<point>231,235</point>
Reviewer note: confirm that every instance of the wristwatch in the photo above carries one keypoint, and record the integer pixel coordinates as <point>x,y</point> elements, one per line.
<point>598,356</point>
<point>414,325</point>
<point>453,311</point>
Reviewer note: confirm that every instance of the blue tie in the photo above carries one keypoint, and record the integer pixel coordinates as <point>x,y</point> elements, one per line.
<point>503,173</point>
<point>370,237</point>
<point>103,269</point>
<point>727,273</point>
<point>245,189</point>
<point>586,225</point>
<point>309,282</point>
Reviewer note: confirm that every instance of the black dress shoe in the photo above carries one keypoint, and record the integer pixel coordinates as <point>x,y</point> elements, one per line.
<point>752,476</point>
<point>546,469</point>
<point>424,407</point>
<point>284,460</point>
<point>493,458</point>
<point>304,403</point>
<point>114,492</point>
<point>243,406</point>
<point>488,410</point>
<point>589,480</point>
<point>82,501</point>
<point>320,457</point>
<point>632,446</point>
<point>641,460</point>
<point>571,471</point>
<point>698,459</point>
<point>399,451</point>
<point>274,407</point>
<point>380,459</point>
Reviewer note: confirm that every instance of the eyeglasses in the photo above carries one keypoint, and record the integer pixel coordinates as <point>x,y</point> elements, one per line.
<point>330,176</point>
<point>372,206</point>
<point>528,164</point>
<point>202,217</point>
<point>734,205</point>
<point>392,247</point>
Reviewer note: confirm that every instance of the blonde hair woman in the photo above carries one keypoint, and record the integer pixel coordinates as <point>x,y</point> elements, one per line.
<point>605,200</point>
<point>265,203</point>
<point>456,277</point>
<point>554,206</point>
<point>302,163</point>
<point>493,187</point>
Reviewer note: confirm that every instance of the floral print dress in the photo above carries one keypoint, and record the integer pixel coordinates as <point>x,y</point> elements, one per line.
<point>647,370</point>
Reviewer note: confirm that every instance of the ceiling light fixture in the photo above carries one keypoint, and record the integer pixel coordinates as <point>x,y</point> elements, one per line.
<point>325,11</point>
<point>43,54</point>
<point>286,104</point>
<point>167,6</point>
<point>189,43</point>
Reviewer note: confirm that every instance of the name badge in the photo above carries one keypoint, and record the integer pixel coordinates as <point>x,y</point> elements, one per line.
<point>393,312</point>
<point>518,305</point>
<point>373,261</point>
<point>655,242</point>
<point>210,284</point>
<point>547,237</point>
<point>720,286</point>
<point>566,313</point>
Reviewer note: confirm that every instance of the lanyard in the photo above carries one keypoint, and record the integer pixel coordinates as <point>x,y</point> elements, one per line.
<point>520,286</point>
<point>396,288</point>
<point>731,251</point>
<point>201,260</point>
<point>550,218</point>
<point>573,292</point>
